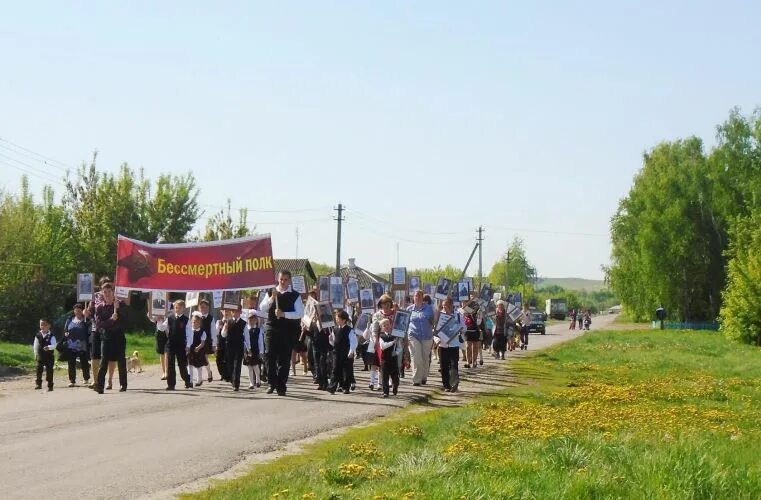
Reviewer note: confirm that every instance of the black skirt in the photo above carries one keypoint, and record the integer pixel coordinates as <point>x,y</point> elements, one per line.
<point>500,343</point>
<point>113,346</point>
<point>472,335</point>
<point>160,342</point>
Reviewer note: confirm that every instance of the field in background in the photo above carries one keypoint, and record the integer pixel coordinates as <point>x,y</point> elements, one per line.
<point>572,284</point>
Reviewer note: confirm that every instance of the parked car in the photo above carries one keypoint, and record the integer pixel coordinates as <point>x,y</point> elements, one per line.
<point>537,323</point>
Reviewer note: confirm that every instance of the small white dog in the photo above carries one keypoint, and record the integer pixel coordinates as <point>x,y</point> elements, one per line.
<point>134,364</point>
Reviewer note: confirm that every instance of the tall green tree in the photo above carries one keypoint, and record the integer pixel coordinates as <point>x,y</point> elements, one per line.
<point>513,269</point>
<point>221,225</point>
<point>103,205</point>
<point>741,311</point>
<point>665,248</point>
<point>37,264</point>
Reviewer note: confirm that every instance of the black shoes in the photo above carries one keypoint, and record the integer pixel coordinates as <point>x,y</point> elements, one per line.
<point>270,390</point>
<point>123,388</point>
<point>38,387</point>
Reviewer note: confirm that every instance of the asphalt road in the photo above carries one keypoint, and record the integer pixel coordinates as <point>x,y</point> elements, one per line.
<point>146,442</point>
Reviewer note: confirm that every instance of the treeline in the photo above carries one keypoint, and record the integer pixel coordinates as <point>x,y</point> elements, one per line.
<point>44,243</point>
<point>688,237</point>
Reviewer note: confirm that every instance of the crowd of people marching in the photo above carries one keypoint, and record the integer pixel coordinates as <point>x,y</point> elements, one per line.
<point>271,338</point>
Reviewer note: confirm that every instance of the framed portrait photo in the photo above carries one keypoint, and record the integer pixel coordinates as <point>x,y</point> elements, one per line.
<point>463,292</point>
<point>378,290</point>
<point>486,294</point>
<point>399,277</point>
<point>337,298</point>
<point>191,299</point>
<point>158,303</point>
<point>352,290</point>
<point>85,286</point>
<point>366,299</point>
<point>325,315</point>
<point>414,285</point>
<point>401,324</point>
<point>299,284</point>
<point>216,297</point>
<point>363,322</point>
<point>230,299</point>
<point>442,289</point>
<point>323,283</point>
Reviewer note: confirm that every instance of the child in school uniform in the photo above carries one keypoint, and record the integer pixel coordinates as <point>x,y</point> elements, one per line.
<point>371,358</point>
<point>253,357</point>
<point>390,348</point>
<point>44,353</point>
<point>197,353</point>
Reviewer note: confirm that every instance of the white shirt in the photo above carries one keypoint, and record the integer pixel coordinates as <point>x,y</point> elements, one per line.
<point>164,326</point>
<point>246,336</point>
<point>352,341</point>
<point>213,332</point>
<point>36,345</point>
<point>298,306</point>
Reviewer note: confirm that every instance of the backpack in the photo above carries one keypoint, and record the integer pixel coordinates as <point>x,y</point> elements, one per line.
<point>470,323</point>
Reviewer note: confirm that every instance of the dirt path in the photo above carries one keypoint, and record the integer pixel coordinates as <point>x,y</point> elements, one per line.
<point>146,442</point>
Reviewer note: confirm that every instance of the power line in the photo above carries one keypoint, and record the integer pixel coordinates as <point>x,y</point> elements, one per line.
<point>285,211</point>
<point>406,240</point>
<point>370,218</point>
<point>45,159</point>
<point>527,230</point>
<point>35,173</point>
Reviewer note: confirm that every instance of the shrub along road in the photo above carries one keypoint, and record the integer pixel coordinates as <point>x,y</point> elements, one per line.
<point>147,442</point>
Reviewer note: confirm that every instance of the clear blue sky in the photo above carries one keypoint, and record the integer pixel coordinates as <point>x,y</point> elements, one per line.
<point>528,118</point>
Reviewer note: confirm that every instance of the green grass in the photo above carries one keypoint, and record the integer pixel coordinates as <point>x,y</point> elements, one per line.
<point>633,414</point>
<point>20,355</point>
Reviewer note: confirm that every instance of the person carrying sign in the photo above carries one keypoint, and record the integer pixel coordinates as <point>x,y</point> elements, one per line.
<point>284,310</point>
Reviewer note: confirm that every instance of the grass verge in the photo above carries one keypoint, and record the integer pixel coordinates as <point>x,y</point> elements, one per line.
<point>20,356</point>
<point>632,414</point>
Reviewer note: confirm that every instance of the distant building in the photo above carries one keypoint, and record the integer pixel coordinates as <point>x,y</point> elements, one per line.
<point>364,277</point>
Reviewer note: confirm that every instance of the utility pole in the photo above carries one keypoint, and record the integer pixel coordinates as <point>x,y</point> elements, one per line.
<point>397,254</point>
<point>340,218</point>
<point>297,242</point>
<point>507,272</point>
<point>480,239</point>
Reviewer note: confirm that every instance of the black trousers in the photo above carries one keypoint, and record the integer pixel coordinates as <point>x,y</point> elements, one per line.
<point>389,370</point>
<point>278,344</point>
<point>362,354</point>
<point>179,356</point>
<point>320,356</point>
<point>45,362</point>
<point>84,360</point>
<point>310,354</point>
<point>449,358</point>
<point>343,372</point>
<point>222,360</point>
<point>234,363</point>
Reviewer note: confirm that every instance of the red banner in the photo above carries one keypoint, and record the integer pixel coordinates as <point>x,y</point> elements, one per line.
<point>237,264</point>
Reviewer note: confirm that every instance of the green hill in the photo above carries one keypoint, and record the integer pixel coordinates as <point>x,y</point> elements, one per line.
<point>573,283</point>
